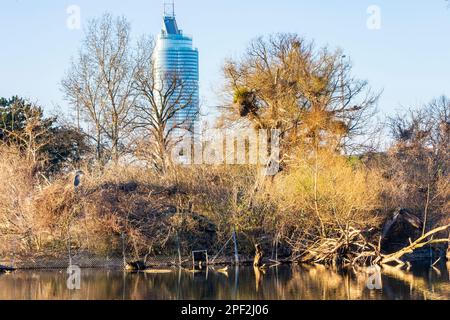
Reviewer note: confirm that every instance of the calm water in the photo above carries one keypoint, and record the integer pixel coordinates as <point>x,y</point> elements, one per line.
<point>277,283</point>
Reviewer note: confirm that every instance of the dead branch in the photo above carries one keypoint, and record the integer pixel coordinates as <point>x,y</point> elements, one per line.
<point>419,243</point>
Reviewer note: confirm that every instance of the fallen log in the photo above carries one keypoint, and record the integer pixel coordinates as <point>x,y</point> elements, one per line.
<point>347,247</point>
<point>421,242</point>
<point>350,248</point>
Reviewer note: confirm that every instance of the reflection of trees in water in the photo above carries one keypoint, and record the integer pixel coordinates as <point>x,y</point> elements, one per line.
<point>319,282</point>
<point>282,282</point>
<point>432,286</point>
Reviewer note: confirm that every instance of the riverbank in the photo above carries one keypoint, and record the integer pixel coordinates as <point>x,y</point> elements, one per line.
<point>128,211</point>
<point>90,262</point>
<point>423,257</point>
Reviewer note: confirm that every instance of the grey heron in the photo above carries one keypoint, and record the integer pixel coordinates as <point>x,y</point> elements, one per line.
<point>77,179</point>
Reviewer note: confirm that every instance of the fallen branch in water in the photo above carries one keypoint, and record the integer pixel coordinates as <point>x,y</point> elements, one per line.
<point>351,248</point>
<point>419,243</point>
<point>385,259</point>
<point>346,247</point>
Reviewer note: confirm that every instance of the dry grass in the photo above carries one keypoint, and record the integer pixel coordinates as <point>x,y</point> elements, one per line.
<point>310,208</point>
<point>323,199</point>
<point>120,201</point>
<point>148,209</point>
<point>16,190</point>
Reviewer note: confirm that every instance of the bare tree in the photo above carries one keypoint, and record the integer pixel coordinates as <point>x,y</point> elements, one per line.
<point>100,83</point>
<point>283,82</point>
<point>82,87</point>
<point>420,159</point>
<point>162,97</point>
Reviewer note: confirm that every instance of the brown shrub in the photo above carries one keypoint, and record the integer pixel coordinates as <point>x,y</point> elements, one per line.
<point>327,201</point>
<point>16,189</point>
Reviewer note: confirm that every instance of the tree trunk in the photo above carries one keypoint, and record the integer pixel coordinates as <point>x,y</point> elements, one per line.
<point>448,248</point>
<point>257,262</point>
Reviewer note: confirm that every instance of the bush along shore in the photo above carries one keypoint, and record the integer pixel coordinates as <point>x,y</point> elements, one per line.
<point>110,188</point>
<point>122,213</point>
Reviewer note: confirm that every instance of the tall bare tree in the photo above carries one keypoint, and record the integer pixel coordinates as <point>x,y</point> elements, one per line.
<point>82,87</point>
<point>100,82</point>
<point>162,96</point>
<point>283,82</point>
<point>420,161</point>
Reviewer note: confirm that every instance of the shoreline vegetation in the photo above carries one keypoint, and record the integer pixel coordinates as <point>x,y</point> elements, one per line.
<point>109,188</point>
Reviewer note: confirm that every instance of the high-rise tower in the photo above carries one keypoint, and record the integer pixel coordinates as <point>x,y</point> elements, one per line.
<point>175,54</point>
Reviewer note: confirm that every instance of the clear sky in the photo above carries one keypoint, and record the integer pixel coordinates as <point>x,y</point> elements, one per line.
<point>408,57</point>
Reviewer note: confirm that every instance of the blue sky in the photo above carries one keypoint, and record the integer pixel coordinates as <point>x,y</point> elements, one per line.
<point>409,57</point>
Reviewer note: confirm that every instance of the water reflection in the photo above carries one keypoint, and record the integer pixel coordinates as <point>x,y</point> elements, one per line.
<point>281,282</point>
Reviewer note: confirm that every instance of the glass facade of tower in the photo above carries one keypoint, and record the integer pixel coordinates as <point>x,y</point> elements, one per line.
<point>175,54</point>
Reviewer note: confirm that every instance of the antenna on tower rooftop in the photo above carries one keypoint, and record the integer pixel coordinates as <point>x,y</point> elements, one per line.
<point>169,9</point>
